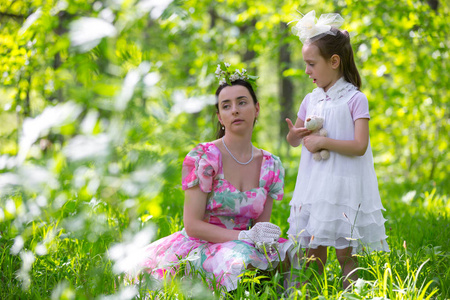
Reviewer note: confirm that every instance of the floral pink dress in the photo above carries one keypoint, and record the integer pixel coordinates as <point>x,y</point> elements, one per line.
<point>226,207</point>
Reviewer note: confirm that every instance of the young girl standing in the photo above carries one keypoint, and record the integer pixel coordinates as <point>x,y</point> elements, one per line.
<point>336,201</point>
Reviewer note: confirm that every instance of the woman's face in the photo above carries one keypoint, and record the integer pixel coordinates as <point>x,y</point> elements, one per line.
<point>237,111</point>
<point>323,72</point>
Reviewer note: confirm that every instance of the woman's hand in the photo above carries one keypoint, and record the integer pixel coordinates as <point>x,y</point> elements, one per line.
<point>296,132</point>
<point>261,232</point>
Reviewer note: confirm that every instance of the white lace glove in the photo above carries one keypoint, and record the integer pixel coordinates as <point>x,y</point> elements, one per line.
<point>262,232</point>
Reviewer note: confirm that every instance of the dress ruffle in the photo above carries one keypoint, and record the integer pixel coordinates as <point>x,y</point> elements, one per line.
<point>200,167</point>
<point>221,262</point>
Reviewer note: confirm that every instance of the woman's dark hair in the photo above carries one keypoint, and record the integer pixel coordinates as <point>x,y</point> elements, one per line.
<point>340,44</point>
<point>221,132</point>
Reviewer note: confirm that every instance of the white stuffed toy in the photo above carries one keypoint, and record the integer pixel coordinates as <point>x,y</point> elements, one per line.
<point>315,123</point>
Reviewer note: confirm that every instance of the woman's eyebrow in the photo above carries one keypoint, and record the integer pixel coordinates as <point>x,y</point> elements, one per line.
<point>237,98</point>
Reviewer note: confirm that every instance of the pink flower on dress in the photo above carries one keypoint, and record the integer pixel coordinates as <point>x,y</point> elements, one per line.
<point>229,186</point>
<point>269,176</point>
<point>253,210</point>
<point>258,206</point>
<point>220,189</point>
<point>268,162</point>
<point>214,205</point>
<point>216,221</point>
<point>251,194</point>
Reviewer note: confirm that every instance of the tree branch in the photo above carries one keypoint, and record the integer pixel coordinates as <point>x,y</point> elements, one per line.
<point>12,16</point>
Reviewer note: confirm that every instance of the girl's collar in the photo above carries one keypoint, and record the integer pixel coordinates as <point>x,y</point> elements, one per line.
<point>338,90</point>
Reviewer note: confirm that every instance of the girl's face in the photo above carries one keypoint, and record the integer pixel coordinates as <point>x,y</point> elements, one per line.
<point>323,72</point>
<point>237,111</point>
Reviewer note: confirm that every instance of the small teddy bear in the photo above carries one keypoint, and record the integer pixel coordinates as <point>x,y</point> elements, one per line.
<point>315,123</point>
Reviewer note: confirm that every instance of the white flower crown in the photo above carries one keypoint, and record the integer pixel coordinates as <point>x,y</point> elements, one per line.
<point>225,76</point>
<point>309,27</point>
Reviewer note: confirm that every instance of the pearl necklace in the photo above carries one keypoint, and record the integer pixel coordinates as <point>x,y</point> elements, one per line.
<point>241,163</point>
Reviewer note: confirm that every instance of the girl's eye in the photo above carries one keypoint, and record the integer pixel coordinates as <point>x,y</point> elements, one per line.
<point>242,102</point>
<point>226,106</point>
<point>311,65</point>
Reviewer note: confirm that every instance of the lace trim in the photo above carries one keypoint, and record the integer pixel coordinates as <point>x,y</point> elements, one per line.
<point>336,92</point>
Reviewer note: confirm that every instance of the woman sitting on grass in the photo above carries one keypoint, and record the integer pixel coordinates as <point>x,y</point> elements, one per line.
<point>229,188</point>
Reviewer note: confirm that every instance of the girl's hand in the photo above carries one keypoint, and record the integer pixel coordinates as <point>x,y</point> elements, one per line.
<point>313,143</point>
<point>296,132</point>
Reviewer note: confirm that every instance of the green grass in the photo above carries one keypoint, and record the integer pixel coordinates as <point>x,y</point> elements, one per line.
<point>75,264</point>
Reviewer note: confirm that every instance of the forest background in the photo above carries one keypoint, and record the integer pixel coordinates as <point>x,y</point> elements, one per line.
<point>100,101</point>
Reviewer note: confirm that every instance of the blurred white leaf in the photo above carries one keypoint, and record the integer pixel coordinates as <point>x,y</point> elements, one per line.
<point>23,274</point>
<point>408,197</point>
<point>128,87</point>
<point>41,249</point>
<point>86,33</point>
<point>30,20</point>
<point>34,177</point>
<point>125,293</point>
<point>52,116</point>
<point>107,15</point>
<point>146,180</point>
<point>17,246</point>
<point>130,256</point>
<point>191,105</point>
<point>151,79</point>
<point>7,180</point>
<point>87,147</point>
<point>63,291</point>
<point>155,7</point>
<point>89,122</point>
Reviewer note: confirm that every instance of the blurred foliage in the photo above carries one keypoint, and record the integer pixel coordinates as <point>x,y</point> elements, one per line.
<point>101,100</point>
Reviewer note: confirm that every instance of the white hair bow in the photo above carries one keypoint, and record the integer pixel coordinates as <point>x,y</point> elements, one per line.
<point>308,26</point>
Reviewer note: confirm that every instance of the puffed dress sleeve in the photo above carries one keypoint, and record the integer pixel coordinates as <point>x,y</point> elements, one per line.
<point>200,166</point>
<point>274,177</point>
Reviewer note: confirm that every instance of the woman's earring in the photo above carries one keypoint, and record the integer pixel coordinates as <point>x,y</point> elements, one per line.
<point>223,128</point>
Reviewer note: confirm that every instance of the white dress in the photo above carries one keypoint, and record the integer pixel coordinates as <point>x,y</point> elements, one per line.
<point>336,202</point>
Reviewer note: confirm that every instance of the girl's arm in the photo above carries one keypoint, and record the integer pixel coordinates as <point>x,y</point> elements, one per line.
<point>355,147</point>
<point>296,132</point>
<point>194,212</point>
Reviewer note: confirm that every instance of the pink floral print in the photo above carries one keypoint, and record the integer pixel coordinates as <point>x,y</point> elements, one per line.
<point>226,207</point>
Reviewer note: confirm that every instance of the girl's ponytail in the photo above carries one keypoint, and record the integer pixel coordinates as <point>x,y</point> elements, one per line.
<point>340,44</point>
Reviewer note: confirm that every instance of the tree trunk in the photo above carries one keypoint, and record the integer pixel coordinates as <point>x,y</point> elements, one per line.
<point>434,4</point>
<point>57,62</point>
<point>286,87</point>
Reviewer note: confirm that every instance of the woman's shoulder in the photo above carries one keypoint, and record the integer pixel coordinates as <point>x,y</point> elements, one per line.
<point>204,148</point>
<point>207,152</point>
<point>271,158</point>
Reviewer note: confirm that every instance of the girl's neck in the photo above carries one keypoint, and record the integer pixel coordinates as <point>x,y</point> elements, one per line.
<point>333,82</point>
